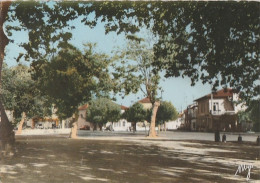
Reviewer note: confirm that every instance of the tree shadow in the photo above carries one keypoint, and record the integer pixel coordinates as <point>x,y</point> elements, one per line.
<point>56,159</point>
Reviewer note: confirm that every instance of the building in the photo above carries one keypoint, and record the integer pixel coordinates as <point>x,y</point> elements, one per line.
<point>146,103</point>
<point>46,122</point>
<point>144,126</point>
<point>122,124</point>
<point>82,122</point>
<point>174,125</point>
<point>218,111</point>
<point>183,124</point>
<point>191,117</point>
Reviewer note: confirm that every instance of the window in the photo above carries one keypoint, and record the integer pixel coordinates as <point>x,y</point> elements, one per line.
<point>123,123</point>
<point>215,106</point>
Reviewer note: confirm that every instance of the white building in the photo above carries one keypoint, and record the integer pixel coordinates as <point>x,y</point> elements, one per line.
<point>174,125</point>
<point>121,125</point>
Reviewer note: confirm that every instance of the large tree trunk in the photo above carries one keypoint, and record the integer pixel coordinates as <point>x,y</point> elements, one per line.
<point>20,127</point>
<point>152,132</point>
<point>134,126</point>
<point>6,134</point>
<point>3,38</point>
<point>6,129</point>
<point>74,130</point>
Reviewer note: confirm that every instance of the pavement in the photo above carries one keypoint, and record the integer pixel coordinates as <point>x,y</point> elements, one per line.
<point>127,157</point>
<point>173,135</point>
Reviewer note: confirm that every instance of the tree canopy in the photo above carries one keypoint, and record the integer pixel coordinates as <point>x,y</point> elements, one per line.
<point>251,114</point>
<point>136,72</point>
<point>103,110</point>
<point>215,42</point>
<point>20,94</point>
<point>136,113</point>
<point>72,78</point>
<point>166,112</point>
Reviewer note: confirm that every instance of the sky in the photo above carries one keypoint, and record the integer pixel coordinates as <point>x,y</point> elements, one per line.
<point>176,90</point>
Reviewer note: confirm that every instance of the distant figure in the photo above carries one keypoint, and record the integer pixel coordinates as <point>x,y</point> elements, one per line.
<point>258,140</point>
<point>239,139</point>
<point>224,138</point>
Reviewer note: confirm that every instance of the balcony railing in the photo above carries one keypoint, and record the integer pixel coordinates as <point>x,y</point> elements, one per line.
<point>222,112</point>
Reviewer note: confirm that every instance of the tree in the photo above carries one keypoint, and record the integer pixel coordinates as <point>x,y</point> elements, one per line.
<point>218,46</point>
<point>218,38</point>
<point>210,41</point>
<point>20,94</point>
<point>72,78</point>
<point>215,42</point>
<point>103,110</point>
<point>166,112</point>
<point>136,113</point>
<point>6,129</point>
<point>136,72</point>
<point>254,108</point>
<point>251,114</point>
<point>45,32</point>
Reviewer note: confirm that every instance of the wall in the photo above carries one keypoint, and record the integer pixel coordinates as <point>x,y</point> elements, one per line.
<point>121,125</point>
<point>224,106</point>
<point>203,107</point>
<point>173,125</point>
<point>147,105</point>
<point>82,120</point>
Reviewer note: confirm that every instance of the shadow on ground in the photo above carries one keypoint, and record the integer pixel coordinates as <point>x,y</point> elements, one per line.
<point>59,159</point>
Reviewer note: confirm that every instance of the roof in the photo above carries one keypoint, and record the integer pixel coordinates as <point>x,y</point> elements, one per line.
<point>226,92</point>
<point>83,107</point>
<point>123,107</point>
<point>180,115</point>
<point>145,100</point>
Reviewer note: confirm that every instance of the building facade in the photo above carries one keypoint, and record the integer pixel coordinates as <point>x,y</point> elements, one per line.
<point>121,125</point>
<point>218,111</point>
<point>174,125</point>
<point>191,117</point>
<point>82,122</point>
<point>146,103</point>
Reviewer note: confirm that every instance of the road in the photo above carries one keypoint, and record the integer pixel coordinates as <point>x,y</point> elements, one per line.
<point>173,135</point>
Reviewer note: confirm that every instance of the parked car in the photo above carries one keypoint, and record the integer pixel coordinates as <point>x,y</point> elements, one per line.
<point>85,127</point>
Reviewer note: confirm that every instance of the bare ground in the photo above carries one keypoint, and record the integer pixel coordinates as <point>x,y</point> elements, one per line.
<point>127,159</point>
